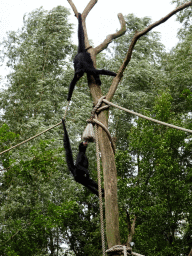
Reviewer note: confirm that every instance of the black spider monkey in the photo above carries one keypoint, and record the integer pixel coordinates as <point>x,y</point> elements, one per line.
<point>80,168</point>
<point>84,64</point>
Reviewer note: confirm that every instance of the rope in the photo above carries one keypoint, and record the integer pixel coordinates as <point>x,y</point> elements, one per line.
<point>148,118</point>
<point>120,248</point>
<point>124,249</point>
<point>35,136</point>
<point>105,129</point>
<point>104,107</point>
<point>100,192</point>
<point>108,133</point>
<point>136,254</point>
<point>96,107</point>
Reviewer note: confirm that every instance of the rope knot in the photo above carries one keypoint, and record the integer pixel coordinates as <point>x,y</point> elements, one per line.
<point>97,106</point>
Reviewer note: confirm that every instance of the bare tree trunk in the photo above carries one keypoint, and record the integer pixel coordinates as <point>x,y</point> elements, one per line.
<point>110,175</point>
<point>110,185</point>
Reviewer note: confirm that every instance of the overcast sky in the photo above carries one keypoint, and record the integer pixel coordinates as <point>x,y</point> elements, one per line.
<point>102,19</point>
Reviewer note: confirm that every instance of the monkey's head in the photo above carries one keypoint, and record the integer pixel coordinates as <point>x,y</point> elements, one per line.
<point>83,146</point>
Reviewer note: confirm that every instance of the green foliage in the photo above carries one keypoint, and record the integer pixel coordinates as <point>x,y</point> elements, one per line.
<point>158,190</point>
<point>31,208</point>
<point>37,55</point>
<point>184,17</point>
<point>142,78</point>
<point>179,75</point>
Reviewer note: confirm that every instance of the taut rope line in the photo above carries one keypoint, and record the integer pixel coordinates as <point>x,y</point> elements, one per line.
<point>38,133</point>
<point>148,118</point>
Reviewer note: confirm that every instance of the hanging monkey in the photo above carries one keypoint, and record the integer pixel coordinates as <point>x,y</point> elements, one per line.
<point>80,168</point>
<point>84,64</point>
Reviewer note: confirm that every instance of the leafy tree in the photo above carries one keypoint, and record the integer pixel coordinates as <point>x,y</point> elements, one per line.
<point>179,75</point>
<point>37,56</point>
<point>158,188</point>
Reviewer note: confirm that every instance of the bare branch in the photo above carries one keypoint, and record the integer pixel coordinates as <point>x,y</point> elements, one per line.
<point>88,8</point>
<point>109,38</point>
<point>137,35</point>
<point>73,7</point>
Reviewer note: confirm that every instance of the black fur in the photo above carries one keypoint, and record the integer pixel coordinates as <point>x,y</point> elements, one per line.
<point>84,64</point>
<point>80,168</point>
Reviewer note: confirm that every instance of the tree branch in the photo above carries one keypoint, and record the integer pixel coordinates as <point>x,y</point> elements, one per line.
<point>84,15</point>
<point>137,35</point>
<point>89,7</point>
<point>73,7</point>
<point>109,38</point>
<point>190,254</point>
<point>131,228</point>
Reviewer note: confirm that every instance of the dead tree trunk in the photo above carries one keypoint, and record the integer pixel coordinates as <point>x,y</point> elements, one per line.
<point>107,154</point>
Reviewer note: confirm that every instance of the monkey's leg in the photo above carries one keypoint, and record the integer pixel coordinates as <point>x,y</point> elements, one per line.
<point>105,72</point>
<point>94,73</point>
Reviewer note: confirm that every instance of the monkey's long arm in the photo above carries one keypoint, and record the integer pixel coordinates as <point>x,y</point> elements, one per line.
<point>81,47</point>
<point>72,86</point>
<point>68,151</point>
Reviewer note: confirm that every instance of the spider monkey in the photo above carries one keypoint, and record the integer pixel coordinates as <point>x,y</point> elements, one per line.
<point>84,64</point>
<point>80,168</point>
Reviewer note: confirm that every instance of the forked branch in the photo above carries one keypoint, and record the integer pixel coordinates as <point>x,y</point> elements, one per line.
<point>84,15</point>
<point>86,10</point>
<point>137,35</point>
<point>109,38</point>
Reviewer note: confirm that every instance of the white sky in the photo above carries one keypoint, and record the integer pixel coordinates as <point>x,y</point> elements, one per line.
<point>101,21</point>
